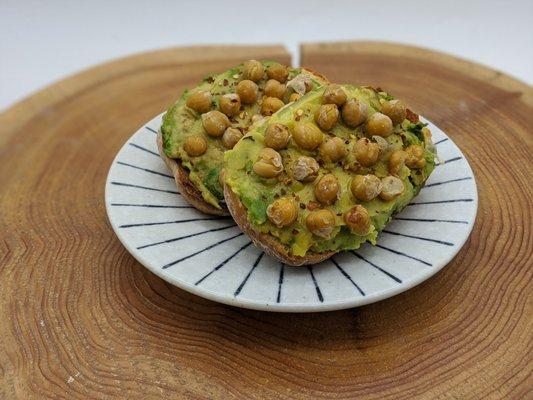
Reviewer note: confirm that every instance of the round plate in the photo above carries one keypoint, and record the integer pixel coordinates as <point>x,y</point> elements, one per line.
<point>209,256</point>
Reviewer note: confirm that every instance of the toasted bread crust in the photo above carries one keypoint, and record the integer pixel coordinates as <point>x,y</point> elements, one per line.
<point>264,241</point>
<point>187,188</point>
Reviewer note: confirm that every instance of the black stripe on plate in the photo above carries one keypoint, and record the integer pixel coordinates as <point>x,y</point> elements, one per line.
<point>440,202</point>
<point>151,129</point>
<point>393,277</point>
<point>222,264</point>
<point>404,254</point>
<point>440,141</point>
<point>280,281</point>
<point>144,187</point>
<point>185,237</point>
<point>452,160</point>
<point>449,181</point>
<point>179,221</point>
<point>144,149</point>
<point>451,221</point>
<point>170,264</point>
<point>418,237</point>
<point>317,288</point>
<point>258,259</point>
<point>347,276</point>
<point>147,205</point>
<point>145,169</point>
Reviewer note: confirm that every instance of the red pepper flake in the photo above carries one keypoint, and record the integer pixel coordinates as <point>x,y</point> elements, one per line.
<point>295,231</point>
<point>226,82</point>
<point>302,206</point>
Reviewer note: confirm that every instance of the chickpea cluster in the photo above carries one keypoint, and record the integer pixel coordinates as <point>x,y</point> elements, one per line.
<point>311,134</point>
<point>217,123</point>
<point>313,137</point>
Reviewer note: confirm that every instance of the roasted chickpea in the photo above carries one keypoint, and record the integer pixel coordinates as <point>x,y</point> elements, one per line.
<point>366,152</point>
<point>391,187</point>
<point>230,104</point>
<point>354,112</point>
<point>294,97</point>
<point>270,105</point>
<point>396,161</point>
<point>253,70</point>
<point>200,101</point>
<point>195,146</point>
<point>269,163</point>
<point>301,84</point>
<point>379,124</point>
<point>333,149</point>
<point>326,116</point>
<point>278,72</point>
<point>247,91</point>
<point>282,212</point>
<point>415,157</point>
<point>307,135</point>
<point>365,187</point>
<point>305,169</point>
<point>277,136</point>
<point>321,223</point>
<point>215,123</point>
<point>275,89</point>
<point>395,110</point>
<point>327,189</point>
<point>308,84</point>
<point>358,220</point>
<point>334,94</point>
<point>230,137</point>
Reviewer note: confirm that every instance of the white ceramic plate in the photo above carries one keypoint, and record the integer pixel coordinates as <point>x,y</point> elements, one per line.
<point>209,256</point>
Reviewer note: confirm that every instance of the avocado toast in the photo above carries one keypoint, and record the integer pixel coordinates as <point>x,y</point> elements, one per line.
<point>327,172</point>
<point>211,118</point>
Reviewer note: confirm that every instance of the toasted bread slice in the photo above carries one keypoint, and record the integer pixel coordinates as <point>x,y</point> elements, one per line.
<point>196,176</point>
<point>305,202</point>
<point>185,186</point>
<point>267,242</point>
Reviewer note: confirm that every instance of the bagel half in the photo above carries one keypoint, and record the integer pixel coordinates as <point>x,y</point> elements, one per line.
<point>302,202</point>
<point>195,176</point>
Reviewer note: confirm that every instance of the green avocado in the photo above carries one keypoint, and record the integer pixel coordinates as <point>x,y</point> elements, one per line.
<point>180,122</point>
<point>257,193</point>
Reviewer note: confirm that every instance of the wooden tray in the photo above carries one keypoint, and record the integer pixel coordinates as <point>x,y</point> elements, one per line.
<point>80,318</point>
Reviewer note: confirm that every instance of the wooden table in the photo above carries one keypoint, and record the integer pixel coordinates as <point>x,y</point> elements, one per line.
<point>80,318</point>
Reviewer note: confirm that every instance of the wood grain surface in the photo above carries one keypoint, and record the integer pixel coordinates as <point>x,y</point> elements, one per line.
<point>81,319</point>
